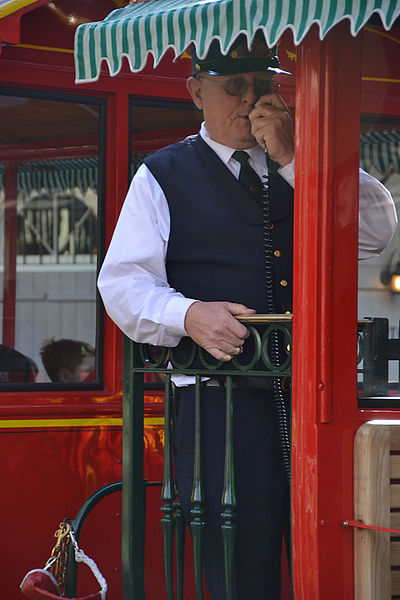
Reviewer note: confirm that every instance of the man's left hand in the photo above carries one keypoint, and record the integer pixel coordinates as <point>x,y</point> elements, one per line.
<point>271,125</point>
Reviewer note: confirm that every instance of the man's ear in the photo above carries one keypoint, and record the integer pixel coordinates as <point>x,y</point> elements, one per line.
<point>193,86</point>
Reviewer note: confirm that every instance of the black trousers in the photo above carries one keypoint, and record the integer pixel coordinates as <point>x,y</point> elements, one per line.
<point>260,486</point>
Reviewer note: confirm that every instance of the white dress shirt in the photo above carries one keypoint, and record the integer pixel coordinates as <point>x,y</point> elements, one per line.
<point>133,281</point>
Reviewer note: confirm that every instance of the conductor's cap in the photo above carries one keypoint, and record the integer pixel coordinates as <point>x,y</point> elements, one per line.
<point>239,58</point>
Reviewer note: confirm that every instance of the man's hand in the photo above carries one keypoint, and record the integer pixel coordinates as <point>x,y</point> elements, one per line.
<point>271,125</point>
<point>213,326</point>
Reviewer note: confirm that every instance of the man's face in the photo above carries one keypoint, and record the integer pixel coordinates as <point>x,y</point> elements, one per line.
<point>226,116</point>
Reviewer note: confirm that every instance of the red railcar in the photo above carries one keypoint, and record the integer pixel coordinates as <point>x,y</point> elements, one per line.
<point>67,153</point>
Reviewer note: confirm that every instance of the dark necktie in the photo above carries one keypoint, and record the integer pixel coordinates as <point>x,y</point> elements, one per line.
<point>247,176</point>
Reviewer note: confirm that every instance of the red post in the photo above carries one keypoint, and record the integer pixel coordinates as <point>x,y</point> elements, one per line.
<point>118,136</point>
<point>328,77</point>
<point>10,252</point>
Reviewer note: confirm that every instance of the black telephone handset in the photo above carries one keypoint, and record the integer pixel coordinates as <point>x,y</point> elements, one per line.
<point>274,348</point>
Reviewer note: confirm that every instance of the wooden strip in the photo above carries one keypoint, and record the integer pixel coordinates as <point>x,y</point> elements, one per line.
<point>395,583</point>
<point>372,505</point>
<point>395,554</point>
<point>394,436</point>
<point>395,495</point>
<point>395,467</point>
<point>395,520</point>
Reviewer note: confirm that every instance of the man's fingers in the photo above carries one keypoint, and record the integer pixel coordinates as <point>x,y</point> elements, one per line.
<point>219,355</point>
<point>238,309</point>
<point>271,100</point>
<point>272,127</point>
<point>233,350</point>
<point>213,325</point>
<point>237,333</point>
<point>235,327</point>
<point>224,356</point>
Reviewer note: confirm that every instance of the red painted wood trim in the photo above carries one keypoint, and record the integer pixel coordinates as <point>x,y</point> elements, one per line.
<point>10,253</point>
<point>325,302</point>
<point>116,189</point>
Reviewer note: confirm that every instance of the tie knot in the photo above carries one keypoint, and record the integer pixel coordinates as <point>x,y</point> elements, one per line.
<point>241,156</point>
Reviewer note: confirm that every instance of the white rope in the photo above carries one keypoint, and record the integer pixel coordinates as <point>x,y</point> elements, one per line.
<point>80,556</point>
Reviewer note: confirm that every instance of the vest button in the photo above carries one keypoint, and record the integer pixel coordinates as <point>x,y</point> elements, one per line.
<point>277,253</point>
<point>283,282</point>
<point>271,225</point>
<point>288,312</point>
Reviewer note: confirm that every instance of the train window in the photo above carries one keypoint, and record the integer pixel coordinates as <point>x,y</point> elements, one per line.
<point>379,276</point>
<point>156,123</point>
<point>49,190</point>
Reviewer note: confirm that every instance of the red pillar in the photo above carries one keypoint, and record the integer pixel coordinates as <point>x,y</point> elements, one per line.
<point>118,136</point>
<point>328,77</point>
<point>10,252</point>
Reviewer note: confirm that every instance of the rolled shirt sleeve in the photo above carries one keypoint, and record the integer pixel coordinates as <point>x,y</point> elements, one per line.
<point>377,219</point>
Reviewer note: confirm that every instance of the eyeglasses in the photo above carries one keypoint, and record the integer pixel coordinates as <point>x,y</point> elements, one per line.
<point>237,86</point>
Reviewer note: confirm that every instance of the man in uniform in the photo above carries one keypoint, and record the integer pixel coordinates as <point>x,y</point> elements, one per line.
<point>187,257</point>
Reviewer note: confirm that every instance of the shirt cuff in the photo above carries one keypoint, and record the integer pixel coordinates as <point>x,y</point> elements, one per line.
<point>174,317</point>
<point>287,172</point>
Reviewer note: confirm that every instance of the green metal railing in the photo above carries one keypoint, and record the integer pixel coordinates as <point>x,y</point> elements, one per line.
<point>140,359</point>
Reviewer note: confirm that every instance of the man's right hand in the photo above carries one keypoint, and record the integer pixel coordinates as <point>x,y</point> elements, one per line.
<point>271,125</point>
<point>214,327</point>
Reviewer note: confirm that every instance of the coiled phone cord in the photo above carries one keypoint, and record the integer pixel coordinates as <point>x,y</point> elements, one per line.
<point>274,350</point>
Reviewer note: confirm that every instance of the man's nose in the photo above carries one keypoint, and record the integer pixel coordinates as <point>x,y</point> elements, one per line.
<point>250,95</point>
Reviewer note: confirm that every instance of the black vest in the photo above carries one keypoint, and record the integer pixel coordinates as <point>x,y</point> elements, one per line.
<point>216,248</point>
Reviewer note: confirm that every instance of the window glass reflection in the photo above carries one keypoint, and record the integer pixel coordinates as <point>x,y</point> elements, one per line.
<point>48,253</point>
<point>378,294</point>
<point>156,124</point>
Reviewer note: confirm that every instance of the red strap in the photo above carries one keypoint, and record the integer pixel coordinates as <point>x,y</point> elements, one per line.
<point>40,585</point>
<point>362,525</point>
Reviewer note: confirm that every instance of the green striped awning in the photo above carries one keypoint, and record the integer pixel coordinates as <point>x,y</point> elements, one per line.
<point>381,150</point>
<point>151,27</point>
<point>56,175</point>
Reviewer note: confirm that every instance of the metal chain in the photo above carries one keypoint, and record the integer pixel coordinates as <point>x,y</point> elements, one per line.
<point>57,563</point>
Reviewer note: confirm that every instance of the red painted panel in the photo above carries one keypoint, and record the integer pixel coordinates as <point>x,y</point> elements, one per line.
<point>47,474</point>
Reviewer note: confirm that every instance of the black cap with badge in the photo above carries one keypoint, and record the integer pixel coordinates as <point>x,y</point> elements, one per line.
<point>239,58</point>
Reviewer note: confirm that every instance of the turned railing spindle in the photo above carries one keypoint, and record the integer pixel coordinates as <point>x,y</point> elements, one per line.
<point>229,495</point>
<point>198,498</point>
<point>180,532</point>
<point>168,496</point>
